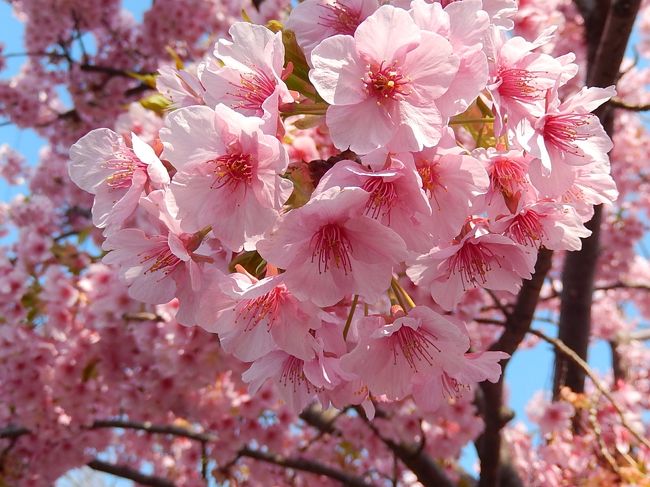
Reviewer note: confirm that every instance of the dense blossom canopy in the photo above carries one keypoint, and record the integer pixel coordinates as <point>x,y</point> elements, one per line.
<point>269,245</point>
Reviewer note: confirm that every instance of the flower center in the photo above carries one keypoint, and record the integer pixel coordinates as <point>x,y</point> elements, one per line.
<point>163,260</point>
<point>507,176</point>
<point>331,244</point>
<point>252,311</point>
<point>574,195</point>
<point>340,18</point>
<point>526,228</point>
<point>519,85</point>
<point>386,82</point>
<point>124,163</point>
<point>451,388</point>
<point>417,346</point>
<point>430,175</point>
<point>472,262</point>
<point>292,373</point>
<point>233,170</point>
<point>564,130</point>
<point>383,196</point>
<point>253,90</point>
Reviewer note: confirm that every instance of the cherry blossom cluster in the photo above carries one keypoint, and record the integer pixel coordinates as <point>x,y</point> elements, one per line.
<point>373,197</point>
<point>322,195</point>
<point>600,445</point>
<point>91,341</point>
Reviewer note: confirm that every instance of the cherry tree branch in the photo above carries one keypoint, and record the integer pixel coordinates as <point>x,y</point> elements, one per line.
<point>608,47</point>
<point>640,335</point>
<point>304,465</point>
<point>10,432</point>
<point>129,473</point>
<point>619,103</point>
<point>154,428</point>
<point>517,324</point>
<point>298,463</point>
<point>415,458</point>
<point>571,355</point>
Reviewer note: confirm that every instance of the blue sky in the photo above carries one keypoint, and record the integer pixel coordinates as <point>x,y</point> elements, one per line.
<point>528,371</point>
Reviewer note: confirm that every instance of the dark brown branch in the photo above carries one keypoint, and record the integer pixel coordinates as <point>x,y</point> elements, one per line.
<point>575,307</point>
<point>16,431</point>
<point>154,428</point>
<point>5,452</point>
<point>110,71</point>
<point>323,420</point>
<point>305,465</point>
<point>521,317</point>
<point>620,374</point>
<point>584,7</point>
<point>127,472</point>
<point>622,285</point>
<point>617,286</point>
<point>415,458</point>
<point>608,46</point>
<point>594,13</point>
<point>142,316</point>
<point>494,413</point>
<point>618,103</point>
<point>603,69</point>
<point>11,432</point>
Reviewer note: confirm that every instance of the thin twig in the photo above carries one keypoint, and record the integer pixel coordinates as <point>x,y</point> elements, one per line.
<point>305,465</point>
<point>172,430</point>
<point>619,103</point>
<point>129,473</point>
<point>498,303</point>
<point>573,356</point>
<point>353,307</point>
<point>604,451</point>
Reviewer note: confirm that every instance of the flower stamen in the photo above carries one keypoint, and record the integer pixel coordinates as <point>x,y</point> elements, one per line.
<point>331,243</point>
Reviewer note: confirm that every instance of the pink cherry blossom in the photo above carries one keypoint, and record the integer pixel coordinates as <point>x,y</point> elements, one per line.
<point>298,381</point>
<point>444,194</point>
<point>500,12</point>
<point>520,78</point>
<point>182,87</point>
<point>509,178</point>
<point>382,88</point>
<point>464,25</point>
<point>552,225</point>
<point>479,259</point>
<point>394,352</point>
<point>396,198</point>
<point>567,134</point>
<point>246,74</point>
<point>456,379</point>
<point>255,317</point>
<point>316,20</point>
<point>159,265</point>
<point>103,164</point>
<point>228,173</point>
<point>552,417</point>
<point>591,185</point>
<point>452,180</point>
<point>330,249</point>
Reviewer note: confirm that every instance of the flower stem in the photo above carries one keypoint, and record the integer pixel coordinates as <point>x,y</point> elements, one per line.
<point>401,294</point>
<point>346,329</point>
<point>471,120</point>
<point>398,295</point>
